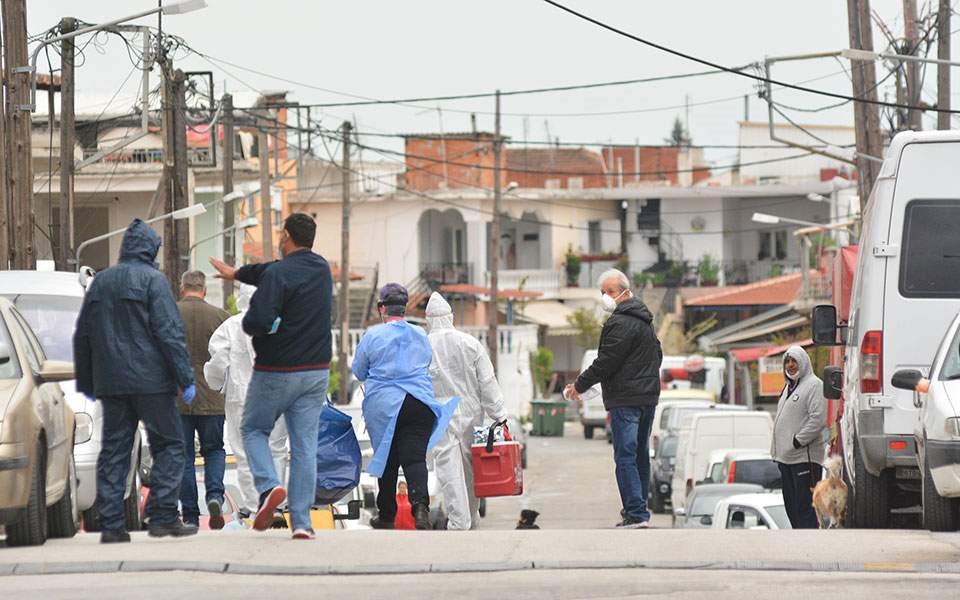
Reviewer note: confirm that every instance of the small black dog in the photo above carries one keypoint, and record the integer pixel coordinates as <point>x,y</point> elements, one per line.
<point>528,519</point>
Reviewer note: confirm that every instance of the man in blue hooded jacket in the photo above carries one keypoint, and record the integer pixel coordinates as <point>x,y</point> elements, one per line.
<point>130,352</point>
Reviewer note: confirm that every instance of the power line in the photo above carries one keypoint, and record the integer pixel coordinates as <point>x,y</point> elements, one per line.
<point>738,71</point>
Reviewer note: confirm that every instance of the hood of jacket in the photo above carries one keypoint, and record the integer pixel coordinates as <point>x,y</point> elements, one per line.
<point>634,308</point>
<point>439,313</point>
<point>243,296</point>
<point>803,359</point>
<point>140,242</point>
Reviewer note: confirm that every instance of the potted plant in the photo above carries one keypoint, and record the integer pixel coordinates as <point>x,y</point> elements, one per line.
<point>572,264</point>
<point>708,270</point>
<point>541,365</point>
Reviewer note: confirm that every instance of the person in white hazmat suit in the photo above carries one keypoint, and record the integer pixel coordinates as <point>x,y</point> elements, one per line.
<point>460,367</point>
<point>229,370</point>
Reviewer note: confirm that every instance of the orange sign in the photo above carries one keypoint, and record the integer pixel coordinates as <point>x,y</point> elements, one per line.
<point>772,379</point>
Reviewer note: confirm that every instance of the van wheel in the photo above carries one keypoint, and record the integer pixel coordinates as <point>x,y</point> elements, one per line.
<point>939,513</point>
<point>62,517</point>
<point>870,508</point>
<point>31,529</point>
<point>657,502</point>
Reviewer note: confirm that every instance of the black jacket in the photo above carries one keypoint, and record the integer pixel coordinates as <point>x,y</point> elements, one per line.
<point>129,337</point>
<point>628,362</point>
<point>298,290</point>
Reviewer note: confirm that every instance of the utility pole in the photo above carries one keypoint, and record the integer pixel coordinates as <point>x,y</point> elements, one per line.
<point>230,239</point>
<point>266,207</point>
<point>344,296</point>
<point>866,116</point>
<point>943,71</point>
<point>5,214</point>
<point>63,243</point>
<point>913,68</point>
<point>176,232</point>
<point>18,149</point>
<point>494,251</point>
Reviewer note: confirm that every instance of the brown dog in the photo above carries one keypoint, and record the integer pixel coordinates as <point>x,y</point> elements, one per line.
<point>830,495</point>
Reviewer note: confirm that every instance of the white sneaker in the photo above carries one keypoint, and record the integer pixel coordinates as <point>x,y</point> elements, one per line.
<point>303,534</point>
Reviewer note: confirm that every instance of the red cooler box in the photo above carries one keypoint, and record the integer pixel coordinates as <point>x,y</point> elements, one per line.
<point>497,469</point>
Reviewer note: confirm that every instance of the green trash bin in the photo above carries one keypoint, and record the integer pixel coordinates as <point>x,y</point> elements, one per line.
<point>548,417</point>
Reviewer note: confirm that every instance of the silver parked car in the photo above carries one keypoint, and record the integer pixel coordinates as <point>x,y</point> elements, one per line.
<point>50,302</point>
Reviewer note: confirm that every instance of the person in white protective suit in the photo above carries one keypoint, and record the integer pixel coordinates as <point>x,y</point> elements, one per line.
<point>460,367</point>
<point>229,370</point>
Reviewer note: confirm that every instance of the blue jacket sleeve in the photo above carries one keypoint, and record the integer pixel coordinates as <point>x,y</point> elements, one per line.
<point>265,305</point>
<point>361,362</point>
<point>251,274</point>
<point>82,352</point>
<point>167,328</point>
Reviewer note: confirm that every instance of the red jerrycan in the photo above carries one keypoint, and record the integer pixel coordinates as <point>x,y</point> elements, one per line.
<point>497,469</point>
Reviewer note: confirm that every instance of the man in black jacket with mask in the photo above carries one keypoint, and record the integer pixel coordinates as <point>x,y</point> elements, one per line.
<point>628,368</point>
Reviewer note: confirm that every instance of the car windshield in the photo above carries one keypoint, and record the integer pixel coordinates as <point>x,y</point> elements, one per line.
<point>779,515</point>
<point>951,362</point>
<point>53,319</point>
<point>668,448</point>
<point>704,505</point>
<point>764,472</point>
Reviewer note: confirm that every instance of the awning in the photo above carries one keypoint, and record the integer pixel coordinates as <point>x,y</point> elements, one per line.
<point>550,313</point>
<point>785,347</point>
<point>745,355</point>
<point>475,290</point>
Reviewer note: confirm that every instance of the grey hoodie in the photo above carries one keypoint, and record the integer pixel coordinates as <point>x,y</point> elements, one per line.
<point>801,413</point>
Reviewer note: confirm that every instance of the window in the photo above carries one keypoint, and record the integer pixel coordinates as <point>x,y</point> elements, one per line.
<point>668,449</point>
<point>930,253</point>
<point>575,183</point>
<point>20,331</point>
<point>743,517</point>
<point>53,319</point>
<point>11,368</point>
<point>780,241</point>
<point>779,515</point>
<point>773,245</point>
<point>951,361</point>
<point>765,250</point>
<point>648,217</point>
<point>762,472</point>
<point>593,237</point>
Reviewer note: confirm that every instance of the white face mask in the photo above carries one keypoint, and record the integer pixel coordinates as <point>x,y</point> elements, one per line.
<point>610,304</point>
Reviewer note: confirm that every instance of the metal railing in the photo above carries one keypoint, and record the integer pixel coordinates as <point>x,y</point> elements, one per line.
<point>437,274</point>
<point>530,280</point>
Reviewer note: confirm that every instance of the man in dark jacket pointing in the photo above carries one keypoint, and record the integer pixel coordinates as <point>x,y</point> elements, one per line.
<point>131,354</point>
<point>628,368</point>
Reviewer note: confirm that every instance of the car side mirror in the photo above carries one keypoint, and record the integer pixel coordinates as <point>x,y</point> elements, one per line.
<point>825,327</point>
<point>832,383</point>
<point>52,371</point>
<point>706,520</point>
<point>910,379</point>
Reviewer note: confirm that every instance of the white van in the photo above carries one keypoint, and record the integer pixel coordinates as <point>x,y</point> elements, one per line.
<point>716,373</point>
<point>905,292</point>
<point>708,431</point>
<point>674,403</point>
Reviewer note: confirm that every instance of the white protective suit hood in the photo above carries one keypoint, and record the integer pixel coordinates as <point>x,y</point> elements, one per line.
<point>461,367</point>
<point>244,294</point>
<point>439,313</point>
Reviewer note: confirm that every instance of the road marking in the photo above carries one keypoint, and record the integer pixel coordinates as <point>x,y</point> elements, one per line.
<point>888,566</point>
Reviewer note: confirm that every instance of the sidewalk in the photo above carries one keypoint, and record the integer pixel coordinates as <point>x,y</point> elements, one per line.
<point>390,552</point>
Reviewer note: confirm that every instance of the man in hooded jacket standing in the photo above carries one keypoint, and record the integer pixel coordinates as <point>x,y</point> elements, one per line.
<point>461,368</point>
<point>628,368</point>
<point>798,444</point>
<point>130,352</point>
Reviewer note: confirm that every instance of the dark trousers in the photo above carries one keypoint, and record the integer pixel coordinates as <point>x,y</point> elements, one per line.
<point>209,429</point>
<point>121,416</point>
<point>408,450</point>
<point>798,481</point>
<point>631,428</point>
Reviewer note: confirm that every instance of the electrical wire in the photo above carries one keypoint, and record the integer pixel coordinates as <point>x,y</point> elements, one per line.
<point>737,71</point>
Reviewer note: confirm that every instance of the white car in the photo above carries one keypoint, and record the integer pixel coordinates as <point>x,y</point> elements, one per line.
<point>593,415</point>
<point>937,431</point>
<point>50,302</point>
<point>751,511</point>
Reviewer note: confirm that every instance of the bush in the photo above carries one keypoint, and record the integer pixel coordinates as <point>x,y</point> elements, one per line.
<point>588,328</point>
<point>573,263</point>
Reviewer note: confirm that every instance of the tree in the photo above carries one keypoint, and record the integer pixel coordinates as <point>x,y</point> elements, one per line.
<point>679,136</point>
<point>588,328</point>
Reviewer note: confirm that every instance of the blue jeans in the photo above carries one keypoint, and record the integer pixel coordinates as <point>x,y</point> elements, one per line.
<point>299,397</point>
<point>121,416</point>
<point>631,453</point>
<point>209,429</point>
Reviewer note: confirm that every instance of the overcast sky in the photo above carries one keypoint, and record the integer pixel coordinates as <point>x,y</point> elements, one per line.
<point>389,49</point>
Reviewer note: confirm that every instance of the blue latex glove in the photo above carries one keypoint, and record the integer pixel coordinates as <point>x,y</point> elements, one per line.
<point>189,394</point>
<point>275,326</point>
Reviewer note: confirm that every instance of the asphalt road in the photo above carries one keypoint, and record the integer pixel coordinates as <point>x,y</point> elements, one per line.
<point>570,481</point>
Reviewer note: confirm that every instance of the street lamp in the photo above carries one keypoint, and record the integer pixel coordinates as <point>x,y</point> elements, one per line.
<point>244,224</point>
<point>774,220</point>
<point>175,8</point>
<point>868,55</point>
<point>177,215</point>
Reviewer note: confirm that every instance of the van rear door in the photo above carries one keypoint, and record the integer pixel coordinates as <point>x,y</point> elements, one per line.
<point>922,276</point>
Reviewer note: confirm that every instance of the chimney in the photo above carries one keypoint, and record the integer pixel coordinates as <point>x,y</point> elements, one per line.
<point>473,123</point>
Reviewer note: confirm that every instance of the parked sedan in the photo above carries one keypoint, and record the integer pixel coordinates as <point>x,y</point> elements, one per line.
<point>50,303</point>
<point>703,500</point>
<point>751,511</point>
<point>750,467</point>
<point>661,473</point>
<point>38,494</point>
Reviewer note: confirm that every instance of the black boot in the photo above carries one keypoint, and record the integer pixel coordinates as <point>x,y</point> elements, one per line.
<point>175,529</point>
<point>376,523</point>
<point>421,516</point>
<point>108,536</point>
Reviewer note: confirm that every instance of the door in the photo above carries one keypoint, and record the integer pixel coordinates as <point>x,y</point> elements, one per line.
<point>922,283</point>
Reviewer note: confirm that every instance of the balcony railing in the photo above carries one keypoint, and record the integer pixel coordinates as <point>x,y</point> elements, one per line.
<point>437,274</point>
<point>546,281</point>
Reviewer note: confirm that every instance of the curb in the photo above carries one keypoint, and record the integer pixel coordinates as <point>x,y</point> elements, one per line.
<point>99,567</point>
